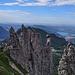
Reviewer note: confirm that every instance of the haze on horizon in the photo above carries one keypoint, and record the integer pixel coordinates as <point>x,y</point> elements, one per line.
<point>54,12</point>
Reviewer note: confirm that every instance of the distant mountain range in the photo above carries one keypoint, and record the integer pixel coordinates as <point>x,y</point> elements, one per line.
<point>7,26</point>
<point>61,30</point>
<point>58,30</point>
<point>3,34</point>
<point>48,29</point>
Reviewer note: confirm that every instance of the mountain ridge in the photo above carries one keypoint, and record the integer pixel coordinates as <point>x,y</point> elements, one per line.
<point>3,33</point>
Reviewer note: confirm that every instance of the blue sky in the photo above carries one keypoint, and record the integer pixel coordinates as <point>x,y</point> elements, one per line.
<point>53,12</point>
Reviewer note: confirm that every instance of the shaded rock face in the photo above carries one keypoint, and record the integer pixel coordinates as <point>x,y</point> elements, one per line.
<point>26,48</point>
<point>67,62</point>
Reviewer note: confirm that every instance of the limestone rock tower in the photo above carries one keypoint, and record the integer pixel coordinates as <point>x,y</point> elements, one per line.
<point>28,51</point>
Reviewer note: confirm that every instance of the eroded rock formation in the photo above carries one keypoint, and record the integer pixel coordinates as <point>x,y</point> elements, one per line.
<point>27,49</point>
<point>67,62</point>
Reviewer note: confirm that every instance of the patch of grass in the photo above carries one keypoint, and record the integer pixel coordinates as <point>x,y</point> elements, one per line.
<point>3,71</point>
<point>5,68</point>
<point>18,65</point>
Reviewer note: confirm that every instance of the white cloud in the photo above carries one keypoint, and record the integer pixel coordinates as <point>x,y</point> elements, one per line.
<point>64,2</point>
<point>17,16</point>
<point>10,4</point>
<point>49,3</point>
<point>13,15</point>
<point>41,3</point>
<point>17,12</point>
<point>35,4</point>
<point>17,2</point>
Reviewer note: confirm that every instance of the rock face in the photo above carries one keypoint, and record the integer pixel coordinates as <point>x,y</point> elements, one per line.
<point>27,49</point>
<point>67,62</point>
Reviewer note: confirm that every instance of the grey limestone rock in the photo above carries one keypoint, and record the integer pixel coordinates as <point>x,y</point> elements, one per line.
<point>67,62</point>
<point>28,51</point>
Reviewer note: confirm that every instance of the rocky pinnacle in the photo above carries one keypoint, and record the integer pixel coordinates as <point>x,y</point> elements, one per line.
<point>67,62</point>
<point>28,51</point>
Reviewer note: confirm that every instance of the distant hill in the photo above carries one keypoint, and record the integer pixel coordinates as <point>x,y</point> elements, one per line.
<point>59,30</point>
<point>3,33</point>
<point>7,26</point>
<point>56,42</point>
<point>49,29</point>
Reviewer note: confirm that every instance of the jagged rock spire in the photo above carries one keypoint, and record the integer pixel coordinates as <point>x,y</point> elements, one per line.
<point>67,62</point>
<point>23,28</point>
<point>11,30</point>
<point>14,41</point>
<point>48,40</point>
<point>12,33</point>
<point>23,31</point>
<point>29,52</point>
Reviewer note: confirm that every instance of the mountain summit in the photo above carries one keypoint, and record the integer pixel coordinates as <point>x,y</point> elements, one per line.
<point>26,49</point>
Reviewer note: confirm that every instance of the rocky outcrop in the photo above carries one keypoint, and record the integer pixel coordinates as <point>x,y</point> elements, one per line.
<point>67,62</point>
<point>27,49</point>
